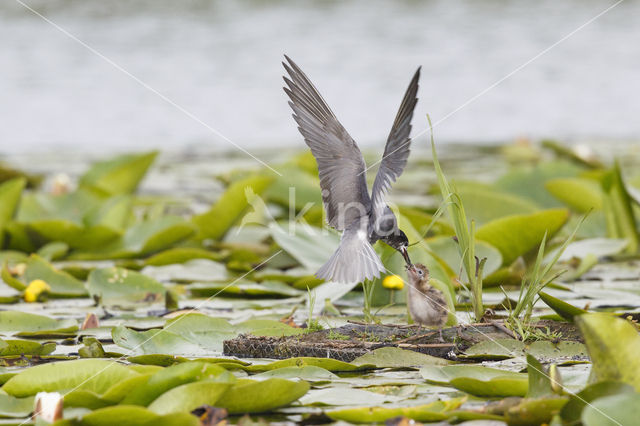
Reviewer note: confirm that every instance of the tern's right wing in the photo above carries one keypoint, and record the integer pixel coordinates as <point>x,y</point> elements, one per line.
<point>340,164</point>
<point>354,261</point>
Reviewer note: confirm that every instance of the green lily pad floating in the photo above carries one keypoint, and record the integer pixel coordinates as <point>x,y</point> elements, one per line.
<point>516,235</point>
<point>26,324</point>
<point>309,373</point>
<point>26,347</point>
<point>10,406</point>
<point>131,415</point>
<point>75,235</point>
<point>397,358</point>
<point>535,411</point>
<point>613,346</point>
<point>484,203</point>
<point>190,396</point>
<point>174,376</point>
<point>432,412</point>
<point>191,270</point>
<point>181,255</point>
<point>53,251</point>
<point>122,286</point>
<point>120,175</point>
<point>329,364</point>
<point>308,245</point>
<point>10,192</point>
<point>86,374</point>
<point>478,380</point>
<point>157,341</point>
<point>598,247</point>
<point>249,396</point>
<point>498,349</point>
<point>572,411</point>
<point>263,327</point>
<point>250,289</point>
<point>615,410</point>
<point>582,195</point>
<point>216,222</point>
<point>62,284</point>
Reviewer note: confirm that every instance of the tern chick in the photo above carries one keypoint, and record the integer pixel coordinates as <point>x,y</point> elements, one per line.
<point>362,218</point>
<point>427,304</point>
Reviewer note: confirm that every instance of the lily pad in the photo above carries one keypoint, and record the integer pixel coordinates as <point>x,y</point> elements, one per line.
<point>327,363</point>
<point>572,411</point>
<point>10,406</point>
<point>27,324</point>
<point>132,415</point>
<point>447,250</point>
<point>621,409</point>
<point>120,175</point>
<point>582,195</point>
<point>432,412</point>
<point>121,286</point>
<point>249,396</point>
<point>613,346</point>
<point>309,373</point>
<point>86,374</point>
<point>562,308</point>
<point>516,235</point>
<point>396,357</point>
<point>478,380</point>
<point>26,347</point>
<point>181,255</point>
<point>230,207</point>
<point>10,192</point>
<point>308,245</point>
<point>61,283</point>
<point>187,397</point>
<point>247,289</point>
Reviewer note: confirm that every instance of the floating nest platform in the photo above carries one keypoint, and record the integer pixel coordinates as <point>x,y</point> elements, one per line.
<point>350,341</point>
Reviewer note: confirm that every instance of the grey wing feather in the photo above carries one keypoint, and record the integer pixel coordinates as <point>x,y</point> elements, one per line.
<point>355,260</point>
<point>340,164</point>
<point>396,151</point>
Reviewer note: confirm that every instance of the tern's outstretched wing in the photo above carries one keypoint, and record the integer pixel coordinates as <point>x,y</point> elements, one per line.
<point>340,163</point>
<point>396,152</point>
<point>355,260</point>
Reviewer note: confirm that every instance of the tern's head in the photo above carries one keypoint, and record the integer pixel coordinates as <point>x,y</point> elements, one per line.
<point>399,241</point>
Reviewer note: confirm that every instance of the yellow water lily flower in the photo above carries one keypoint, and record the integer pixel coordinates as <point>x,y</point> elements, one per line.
<point>393,282</point>
<point>34,290</point>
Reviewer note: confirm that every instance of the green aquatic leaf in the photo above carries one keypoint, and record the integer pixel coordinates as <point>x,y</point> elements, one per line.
<point>85,374</point>
<point>613,346</point>
<point>230,207</point>
<point>396,357</point>
<point>188,397</point>
<point>432,412</point>
<point>53,251</point>
<point>516,235</point>
<point>295,188</point>
<point>263,289</point>
<point>10,406</point>
<point>265,327</point>
<point>618,210</point>
<point>113,395</point>
<point>181,255</point>
<point>329,364</point>
<point>156,341</point>
<point>309,373</point>
<point>122,286</point>
<point>614,410</point>
<point>10,192</point>
<point>119,175</point>
<point>249,396</point>
<point>62,284</point>
<point>26,347</point>
<point>131,415</point>
<point>534,411</point>
<point>582,195</point>
<point>24,324</point>
<point>484,203</point>
<point>74,235</point>
<point>192,270</point>
<point>478,380</point>
<point>562,308</point>
<point>572,411</point>
<point>497,349</point>
<point>530,182</point>
<point>540,385</point>
<point>174,376</point>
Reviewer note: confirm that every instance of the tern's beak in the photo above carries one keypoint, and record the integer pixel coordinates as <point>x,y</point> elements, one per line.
<point>405,254</point>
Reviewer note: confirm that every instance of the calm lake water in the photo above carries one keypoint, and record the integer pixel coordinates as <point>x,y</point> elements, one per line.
<point>173,71</point>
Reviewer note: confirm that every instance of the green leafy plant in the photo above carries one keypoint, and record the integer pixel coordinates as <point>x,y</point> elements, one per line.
<point>312,324</point>
<point>465,234</point>
<point>539,277</point>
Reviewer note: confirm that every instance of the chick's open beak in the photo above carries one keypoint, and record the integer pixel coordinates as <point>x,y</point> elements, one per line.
<point>405,254</point>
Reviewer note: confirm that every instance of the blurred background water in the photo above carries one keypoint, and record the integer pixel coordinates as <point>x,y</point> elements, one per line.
<point>220,62</point>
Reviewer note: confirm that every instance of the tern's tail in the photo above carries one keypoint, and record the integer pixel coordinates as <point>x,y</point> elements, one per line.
<point>354,260</point>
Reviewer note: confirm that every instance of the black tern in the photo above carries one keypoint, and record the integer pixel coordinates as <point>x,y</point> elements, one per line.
<point>363,218</point>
